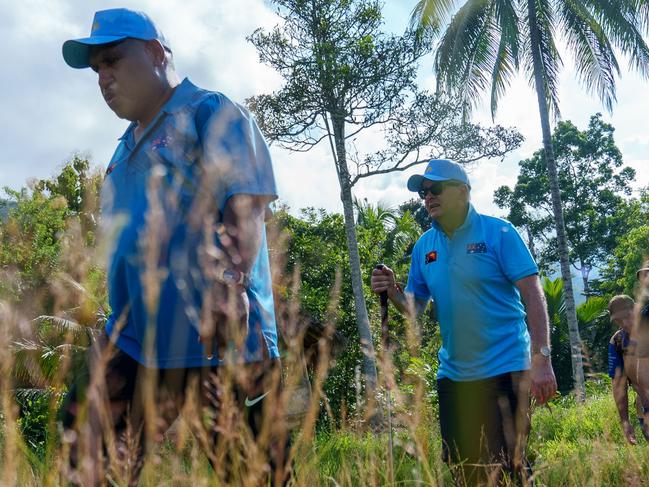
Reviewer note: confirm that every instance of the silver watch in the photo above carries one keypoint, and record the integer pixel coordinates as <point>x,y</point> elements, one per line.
<point>545,351</point>
<point>233,277</point>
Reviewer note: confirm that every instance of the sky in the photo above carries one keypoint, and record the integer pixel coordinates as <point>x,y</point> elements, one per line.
<point>50,111</point>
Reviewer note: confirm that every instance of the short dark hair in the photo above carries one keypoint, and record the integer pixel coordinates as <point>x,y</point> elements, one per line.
<point>620,301</point>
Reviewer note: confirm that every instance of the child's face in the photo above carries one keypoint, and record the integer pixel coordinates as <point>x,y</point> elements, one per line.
<point>623,317</point>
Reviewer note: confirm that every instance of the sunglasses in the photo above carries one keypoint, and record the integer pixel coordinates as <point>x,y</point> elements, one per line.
<point>437,188</point>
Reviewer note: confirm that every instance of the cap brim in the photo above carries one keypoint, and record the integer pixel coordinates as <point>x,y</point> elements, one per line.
<point>637,274</point>
<point>414,182</point>
<point>76,52</point>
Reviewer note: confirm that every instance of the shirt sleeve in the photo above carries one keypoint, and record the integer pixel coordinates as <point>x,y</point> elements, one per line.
<point>416,283</point>
<point>615,360</point>
<point>235,154</point>
<point>515,258</point>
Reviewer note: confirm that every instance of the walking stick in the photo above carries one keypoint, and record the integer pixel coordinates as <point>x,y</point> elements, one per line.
<point>385,342</point>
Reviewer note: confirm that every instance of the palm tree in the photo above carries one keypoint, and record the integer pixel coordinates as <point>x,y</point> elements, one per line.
<point>488,41</point>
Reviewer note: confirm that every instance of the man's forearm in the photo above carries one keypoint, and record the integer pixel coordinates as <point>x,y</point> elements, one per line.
<point>243,220</point>
<point>407,304</point>
<point>537,316</point>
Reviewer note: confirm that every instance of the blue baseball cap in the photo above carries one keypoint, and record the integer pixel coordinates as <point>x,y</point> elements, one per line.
<point>439,170</point>
<point>108,26</point>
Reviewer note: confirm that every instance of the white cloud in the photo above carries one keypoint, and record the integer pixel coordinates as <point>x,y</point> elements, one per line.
<point>50,110</point>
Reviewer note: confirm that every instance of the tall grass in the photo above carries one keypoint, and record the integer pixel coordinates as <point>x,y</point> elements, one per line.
<point>571,444</point>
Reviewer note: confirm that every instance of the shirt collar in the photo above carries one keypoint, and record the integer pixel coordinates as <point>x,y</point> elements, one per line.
<point>181,95</point>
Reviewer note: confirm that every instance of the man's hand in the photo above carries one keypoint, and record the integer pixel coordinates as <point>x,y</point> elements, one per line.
<point>543,382</point>
<point>627,428</point>
<point>224,323</point>
<point>383,280</point>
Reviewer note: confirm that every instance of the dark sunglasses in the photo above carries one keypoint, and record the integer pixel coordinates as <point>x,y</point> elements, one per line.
<point>437,188</point>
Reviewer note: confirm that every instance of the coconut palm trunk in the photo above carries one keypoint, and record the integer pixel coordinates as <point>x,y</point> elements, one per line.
<point>542,97</point>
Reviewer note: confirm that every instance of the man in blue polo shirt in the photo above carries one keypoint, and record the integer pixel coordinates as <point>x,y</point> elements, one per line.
<point>476,269</point>
<point>183,206</point>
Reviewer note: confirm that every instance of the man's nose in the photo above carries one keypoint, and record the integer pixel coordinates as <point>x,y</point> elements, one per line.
<point>104,77</point>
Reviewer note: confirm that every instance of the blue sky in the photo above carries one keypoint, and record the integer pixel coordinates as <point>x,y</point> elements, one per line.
<point>51,111</point>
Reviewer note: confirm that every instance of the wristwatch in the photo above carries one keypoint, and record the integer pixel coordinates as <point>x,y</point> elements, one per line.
<point>233,277</point>
<point>545,351</point>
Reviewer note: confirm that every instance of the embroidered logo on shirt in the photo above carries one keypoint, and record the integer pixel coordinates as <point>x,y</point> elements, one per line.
<point>431,256</point>
<point>476,248</point>
<point>110,168</point>
<point>162,141</point>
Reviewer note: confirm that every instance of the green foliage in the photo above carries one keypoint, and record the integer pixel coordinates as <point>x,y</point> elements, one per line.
<point>570,444</point>
<point>29,240</point>
<point>619,276</point>
<point>316,244</point>
<point>37,411</point>
<point>592,183</point>
<point>594,326</point>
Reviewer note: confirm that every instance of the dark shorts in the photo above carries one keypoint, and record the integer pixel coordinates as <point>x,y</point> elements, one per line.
<point>127,390</point>
<point>484,425</point>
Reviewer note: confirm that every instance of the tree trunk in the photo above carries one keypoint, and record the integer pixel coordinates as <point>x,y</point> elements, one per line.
<point>571,314</point>
<point>530,242</point>
<point>362,319</point>
<point>585,271</point>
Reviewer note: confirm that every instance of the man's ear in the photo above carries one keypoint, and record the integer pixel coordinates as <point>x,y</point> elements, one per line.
<point>156,51</point>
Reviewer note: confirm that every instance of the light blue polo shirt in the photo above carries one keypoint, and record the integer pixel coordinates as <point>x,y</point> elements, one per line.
<point>200,143</point>
<point>470,277</point>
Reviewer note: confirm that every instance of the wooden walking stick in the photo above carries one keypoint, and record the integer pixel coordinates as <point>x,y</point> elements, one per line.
<point>385,344</point>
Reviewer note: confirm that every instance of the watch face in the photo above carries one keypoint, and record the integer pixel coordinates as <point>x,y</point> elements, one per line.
<point>230,276</point>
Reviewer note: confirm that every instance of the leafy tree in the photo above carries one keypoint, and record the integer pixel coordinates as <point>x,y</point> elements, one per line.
<point>316,245</point>
<point>488,41</point>
<point>419,212</point>
<point>344,77</point>
<point>632,250</point>
<point>29,242</point>
<point>619,276</point>
<point>593,185</point>
<point>50,277</point>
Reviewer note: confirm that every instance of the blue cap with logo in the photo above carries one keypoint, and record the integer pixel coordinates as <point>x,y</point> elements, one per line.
<point>439,170</point>
<point>108,26</point>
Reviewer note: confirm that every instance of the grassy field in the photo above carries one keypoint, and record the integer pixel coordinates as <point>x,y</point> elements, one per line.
<point>571,445</point>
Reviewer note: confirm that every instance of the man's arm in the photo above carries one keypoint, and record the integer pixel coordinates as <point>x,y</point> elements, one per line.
<point>227,322</point>
<point>620,388</point>
<point>544,383</point>
<point>383,280</point>
<point>243,219</point>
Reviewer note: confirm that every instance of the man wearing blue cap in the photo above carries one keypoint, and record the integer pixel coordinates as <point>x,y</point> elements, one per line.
<point>476,269</point>
<point>183,202</point>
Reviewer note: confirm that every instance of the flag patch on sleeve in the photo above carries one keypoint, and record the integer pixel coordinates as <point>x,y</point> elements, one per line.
<point>431,256</point>
<point>476,248</point>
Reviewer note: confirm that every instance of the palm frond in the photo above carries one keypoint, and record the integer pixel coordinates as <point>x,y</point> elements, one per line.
<point>553,290</point>
<point>24,395</point>
<point>623,22</point>
<point>467,52</point>
<point>507,57</point>
<point>595,60</point>
<point>591,310</point>
<point>64,324</point>
<point>431,14</point>
<point>540,16</point>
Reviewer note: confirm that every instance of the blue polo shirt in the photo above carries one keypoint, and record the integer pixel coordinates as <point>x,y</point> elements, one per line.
<point>470,277</point>
<point>157,198</point>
